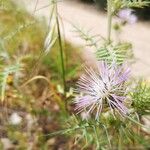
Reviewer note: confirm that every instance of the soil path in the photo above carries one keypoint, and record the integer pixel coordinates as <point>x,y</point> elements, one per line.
<point>89,17</point>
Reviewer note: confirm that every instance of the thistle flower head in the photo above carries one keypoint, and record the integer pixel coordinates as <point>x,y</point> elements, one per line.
<point>102,87</point>
<point>127,16</point>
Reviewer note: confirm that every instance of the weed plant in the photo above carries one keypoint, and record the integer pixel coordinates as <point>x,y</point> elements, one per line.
<point>39,108</point>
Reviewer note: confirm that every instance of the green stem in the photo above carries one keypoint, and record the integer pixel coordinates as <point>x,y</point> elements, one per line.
<point>109,13</point>
<point>61,51</point>
<point>97,138</point>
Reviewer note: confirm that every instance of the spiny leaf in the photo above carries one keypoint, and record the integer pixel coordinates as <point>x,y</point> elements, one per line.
<point>117,53</point>
<point>19,29</point>
<point>120,4</point>
<point>135,3</point>
<point>91,40</point>
<point>3,78</point>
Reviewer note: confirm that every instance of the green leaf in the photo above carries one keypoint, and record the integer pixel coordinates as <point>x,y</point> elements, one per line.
<point>135,3</point>
<point>117,53</point>
<point>3,78</point>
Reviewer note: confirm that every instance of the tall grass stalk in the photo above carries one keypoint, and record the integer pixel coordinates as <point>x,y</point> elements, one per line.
<point>61,51</point>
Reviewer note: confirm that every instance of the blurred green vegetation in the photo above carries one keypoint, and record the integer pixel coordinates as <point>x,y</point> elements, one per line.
<point>21,34</point>
<point>19,29</point>
<point>22,57</point>
<point>72,65</point>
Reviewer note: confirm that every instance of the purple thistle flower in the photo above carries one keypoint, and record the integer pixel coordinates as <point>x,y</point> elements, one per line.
<point>127,16</point>
<point>106,86</point>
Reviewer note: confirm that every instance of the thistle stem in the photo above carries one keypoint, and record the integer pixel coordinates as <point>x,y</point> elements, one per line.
<point>109,14</point>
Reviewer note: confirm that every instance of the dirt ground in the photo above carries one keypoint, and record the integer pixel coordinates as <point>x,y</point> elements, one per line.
<point>89,17</point>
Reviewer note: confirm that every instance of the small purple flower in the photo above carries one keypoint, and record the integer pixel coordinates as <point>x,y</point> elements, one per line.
<point>100,88</point>
<point>127,16</point>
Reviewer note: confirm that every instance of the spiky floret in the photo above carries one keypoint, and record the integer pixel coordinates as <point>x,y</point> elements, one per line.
<point>104,86</point>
